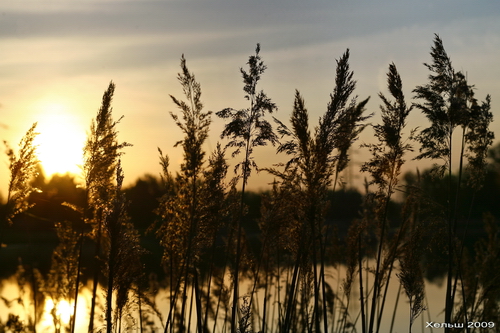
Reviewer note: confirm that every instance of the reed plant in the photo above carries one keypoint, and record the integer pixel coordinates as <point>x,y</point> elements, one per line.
<point>410,276</point>
<point>190,224</point>
<point>215,210</point>
<point>101,153</point>
<point>315,158</point>
<point>385,168</point>
<point>122,252</point>
<point>246,130</point>
<point>202,213</point>
<point>23,168</point>
<point>59,284</point>
<point>485,304</point>
<point>449,104</point>
<point>116,241</point>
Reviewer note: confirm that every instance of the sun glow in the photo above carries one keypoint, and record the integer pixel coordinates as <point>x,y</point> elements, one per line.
<point>60,141</point>
<point>58,314</point>
<point>62,312</point>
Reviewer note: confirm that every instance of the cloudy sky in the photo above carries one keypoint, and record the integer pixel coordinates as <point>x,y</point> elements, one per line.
<point>58,57</point>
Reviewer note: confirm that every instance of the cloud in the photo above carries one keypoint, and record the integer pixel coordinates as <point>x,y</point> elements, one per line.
<point>315,20</point>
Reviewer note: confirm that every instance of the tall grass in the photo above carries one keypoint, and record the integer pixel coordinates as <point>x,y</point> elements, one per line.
<point>247,130</point>
<point>101,154</point>
<point>285,264</point>
<point>385,168</point>
<point>448,102</point>
<point>60,283</point>
<point>310,169</point>
<point>122,253</point>
<point>190,224</point>
<point>23,168</point>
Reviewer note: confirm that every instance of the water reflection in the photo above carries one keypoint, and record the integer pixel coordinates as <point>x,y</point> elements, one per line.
<point>56,317</point>
<point>51,316</point>
<point>59,313</point>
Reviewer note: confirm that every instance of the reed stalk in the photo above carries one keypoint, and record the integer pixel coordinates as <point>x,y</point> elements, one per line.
<point>448,103</point>
<point>101,154</point>
<point>384,167</point>
<point>247,130</point>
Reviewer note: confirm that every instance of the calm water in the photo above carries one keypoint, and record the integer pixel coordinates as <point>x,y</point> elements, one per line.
<point>11,292</point>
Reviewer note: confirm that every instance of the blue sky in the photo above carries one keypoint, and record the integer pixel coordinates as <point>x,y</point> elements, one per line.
<point>57,57</point>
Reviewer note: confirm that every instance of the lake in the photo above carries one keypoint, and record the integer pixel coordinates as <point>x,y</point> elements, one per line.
<point>18,300</point>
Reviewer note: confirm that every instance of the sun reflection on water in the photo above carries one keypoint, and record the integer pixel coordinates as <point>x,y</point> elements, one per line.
<point>56,314</point>
<point>62,311</point>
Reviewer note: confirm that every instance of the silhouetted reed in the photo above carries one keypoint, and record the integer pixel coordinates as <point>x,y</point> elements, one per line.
<point>314,159</point>
<point>101,154</point>
<point>247,130</point>
<point>23,168</point>
<point>59,284</point>
<point>384,168</point>
<point>410,276</point>
<point>213,243</point>
<point>449,103</point>
<point>191,224</point>
<point>122,252</point>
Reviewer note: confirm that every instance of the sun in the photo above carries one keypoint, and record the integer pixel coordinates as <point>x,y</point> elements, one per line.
<point>60,140</point>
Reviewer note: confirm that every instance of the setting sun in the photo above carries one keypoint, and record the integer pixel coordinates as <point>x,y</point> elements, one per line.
<point>61,140</point>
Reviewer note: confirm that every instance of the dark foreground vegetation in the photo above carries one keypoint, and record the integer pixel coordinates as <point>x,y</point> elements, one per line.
<point>229,260</point>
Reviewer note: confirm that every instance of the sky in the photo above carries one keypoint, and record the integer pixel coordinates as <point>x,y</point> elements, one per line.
<point>58,57</point>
